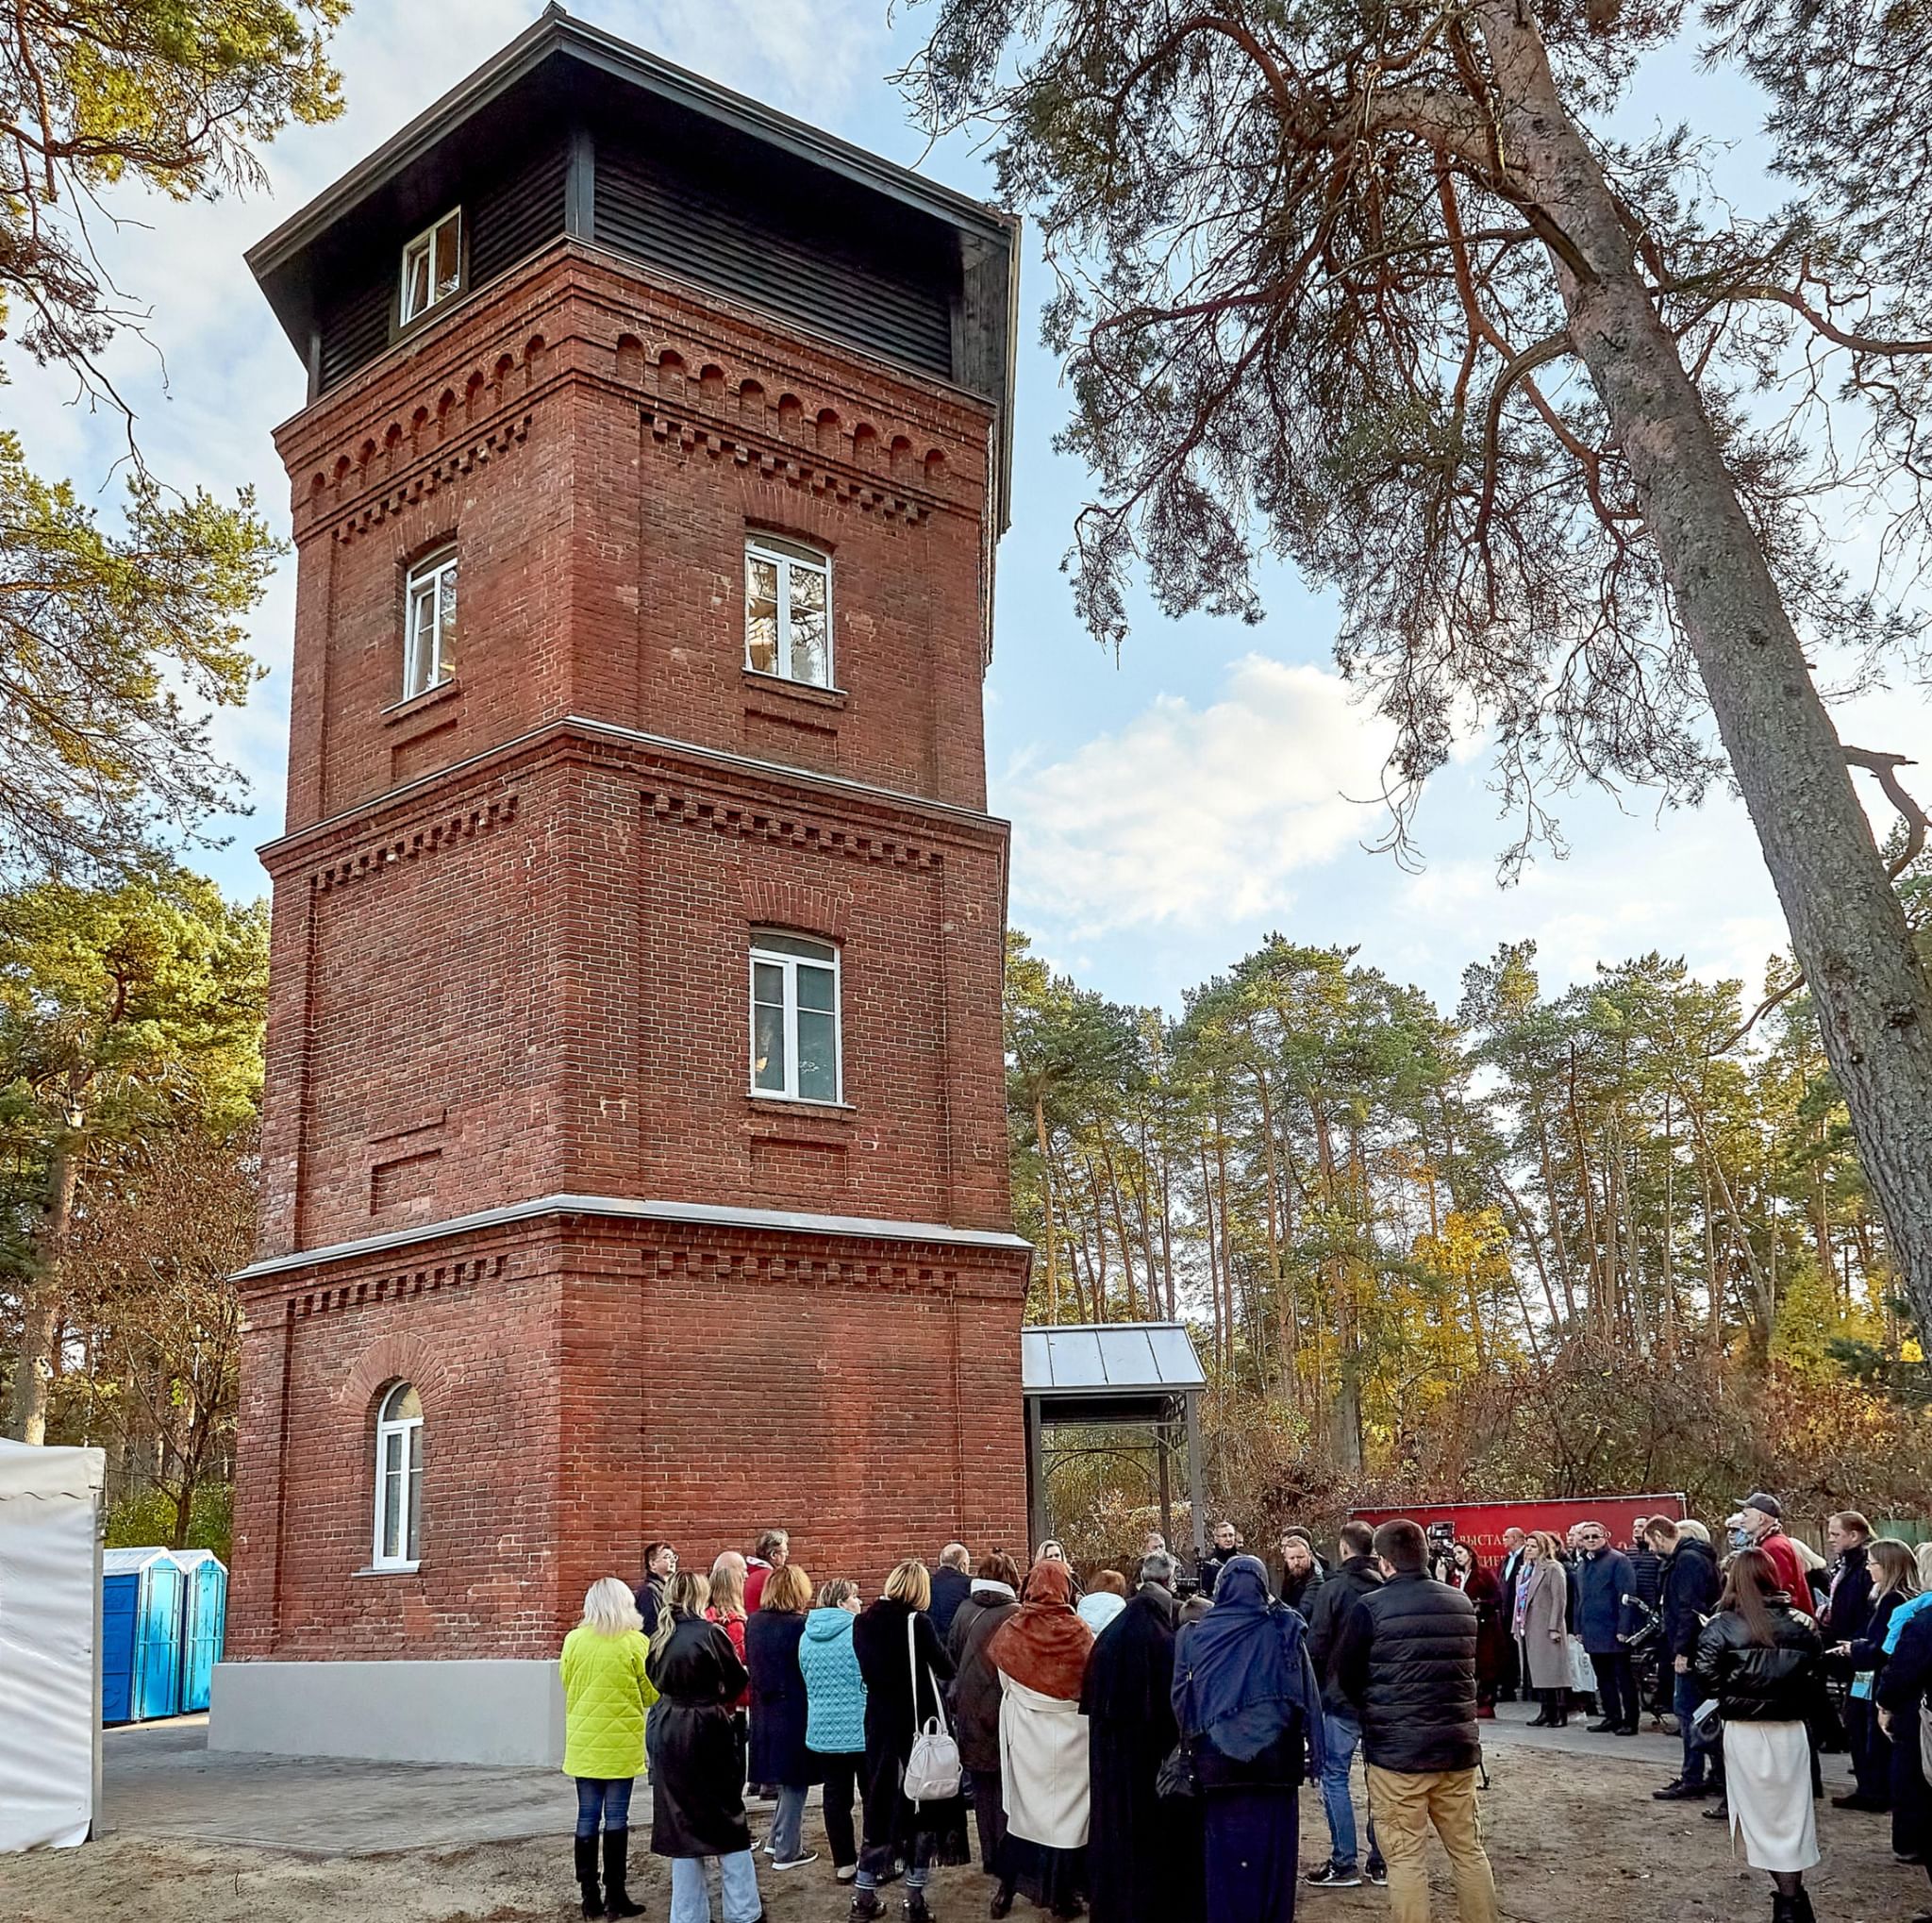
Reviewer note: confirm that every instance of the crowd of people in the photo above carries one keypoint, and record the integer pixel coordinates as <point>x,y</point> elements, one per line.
<point>1137,1748</point>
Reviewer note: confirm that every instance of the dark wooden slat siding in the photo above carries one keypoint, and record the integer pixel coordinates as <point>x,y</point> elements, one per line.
<point>676,226</point>
<point>518,215</point>
<point>355,330</point>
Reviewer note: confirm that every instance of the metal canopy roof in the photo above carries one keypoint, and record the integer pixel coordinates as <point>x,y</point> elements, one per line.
<point>1110,1358</point>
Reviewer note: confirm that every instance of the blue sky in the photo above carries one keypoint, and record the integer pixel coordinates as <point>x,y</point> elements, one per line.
<point>1172,807</point>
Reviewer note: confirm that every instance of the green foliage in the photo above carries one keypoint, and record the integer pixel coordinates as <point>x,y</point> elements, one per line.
<point>130,1017</point>
<point>145,1517</point>
<point>173,93</point>
<point>116,640</point>
<point>1605,1240</point>
<point>113,643</point>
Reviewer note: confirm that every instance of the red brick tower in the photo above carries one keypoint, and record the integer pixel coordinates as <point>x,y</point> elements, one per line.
<point>635,1148</point>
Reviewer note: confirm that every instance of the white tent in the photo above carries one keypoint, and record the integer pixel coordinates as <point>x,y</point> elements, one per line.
<point>50,1643</point>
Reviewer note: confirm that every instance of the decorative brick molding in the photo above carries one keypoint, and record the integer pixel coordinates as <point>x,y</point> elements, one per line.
<point>728,818</point>
<point>411,844</point>
<point>776,904</point>
<point>688,436</point>
<point>431,1280</point>
<point>426,481</point>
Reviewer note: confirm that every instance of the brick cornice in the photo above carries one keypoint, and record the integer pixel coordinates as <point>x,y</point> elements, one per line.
<point>743,1240</point>
<point>473,796</point>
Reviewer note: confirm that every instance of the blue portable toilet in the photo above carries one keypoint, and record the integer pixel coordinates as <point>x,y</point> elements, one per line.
<point>140,1635</point>
<point>204,1617</point>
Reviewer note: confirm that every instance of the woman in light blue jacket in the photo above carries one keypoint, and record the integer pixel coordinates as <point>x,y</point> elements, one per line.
<point>835,1714</point>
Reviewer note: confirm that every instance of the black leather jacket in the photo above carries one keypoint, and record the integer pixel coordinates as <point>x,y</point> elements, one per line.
<point>1755,1684</point>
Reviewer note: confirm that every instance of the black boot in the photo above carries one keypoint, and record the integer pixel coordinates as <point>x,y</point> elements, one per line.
<point>1802,1910</point>
<point>913,1907</point>
<point>587,1875</point>
<point>617,1900</point>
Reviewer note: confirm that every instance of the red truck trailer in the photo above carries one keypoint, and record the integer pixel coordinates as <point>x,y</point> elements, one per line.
<point>1481,1524</point>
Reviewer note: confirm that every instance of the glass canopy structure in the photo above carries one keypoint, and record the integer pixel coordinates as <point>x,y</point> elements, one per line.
<point>1116,1375</point>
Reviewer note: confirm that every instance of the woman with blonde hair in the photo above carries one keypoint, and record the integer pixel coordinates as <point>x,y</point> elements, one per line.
<point>606,1690</point>
<point>1900,1693</point>
<point>771,1640</point>
<point>1894,1582</point>
<point>1540,1625</point>
<point>905,1668</point>
<point>697,1767</point>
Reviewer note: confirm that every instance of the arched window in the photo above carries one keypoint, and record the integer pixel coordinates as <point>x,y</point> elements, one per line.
<point>398,1479</point>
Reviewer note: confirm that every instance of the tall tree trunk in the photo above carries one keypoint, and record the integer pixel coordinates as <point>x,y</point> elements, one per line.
<point>1555,1208</point>
<point>1284,1319</point>
<point>1872,993</point>
<point>39,1330</point>
<point>1053,1260</point>
<point>1222,1346</point>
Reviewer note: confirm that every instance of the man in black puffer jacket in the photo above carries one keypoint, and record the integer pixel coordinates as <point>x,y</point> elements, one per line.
<point>1691,1586</point>
<point>1406,1659</point>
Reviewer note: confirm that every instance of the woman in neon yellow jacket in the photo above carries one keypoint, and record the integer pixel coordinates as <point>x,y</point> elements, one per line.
<point>606,1693</point>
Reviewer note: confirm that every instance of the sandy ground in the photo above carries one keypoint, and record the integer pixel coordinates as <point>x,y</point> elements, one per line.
<point>1572,1840</point>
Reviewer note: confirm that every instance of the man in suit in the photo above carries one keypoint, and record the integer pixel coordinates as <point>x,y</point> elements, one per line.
<point>1511,1680</point>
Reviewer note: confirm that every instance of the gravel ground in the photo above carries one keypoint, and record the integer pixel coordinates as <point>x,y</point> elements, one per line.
<point>1573,1840</point>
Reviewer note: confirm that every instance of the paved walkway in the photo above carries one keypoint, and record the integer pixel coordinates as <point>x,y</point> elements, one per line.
<point>162,1780</point>
<point>1650,1747</point>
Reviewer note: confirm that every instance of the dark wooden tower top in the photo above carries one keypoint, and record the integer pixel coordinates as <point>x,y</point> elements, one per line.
<point>570,131</point>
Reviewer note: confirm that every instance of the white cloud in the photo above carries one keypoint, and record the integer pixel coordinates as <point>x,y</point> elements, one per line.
<point>1197,813</point>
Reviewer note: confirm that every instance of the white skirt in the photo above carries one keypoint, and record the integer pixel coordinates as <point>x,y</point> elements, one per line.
<point>1768,1782</point>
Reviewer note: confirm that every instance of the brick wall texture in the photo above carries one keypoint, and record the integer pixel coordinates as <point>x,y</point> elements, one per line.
<point>509,962</point>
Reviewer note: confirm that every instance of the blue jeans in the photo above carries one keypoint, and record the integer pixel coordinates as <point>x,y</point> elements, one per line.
<point>690,1902</point>
<point>603,1802</point>
<point>918,1872</point>
<point>1684,1697</point>
<point>786,1822</point>
<point>1341,1734</point>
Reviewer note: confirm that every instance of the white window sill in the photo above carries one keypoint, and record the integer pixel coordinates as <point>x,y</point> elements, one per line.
<point>388,1569</point>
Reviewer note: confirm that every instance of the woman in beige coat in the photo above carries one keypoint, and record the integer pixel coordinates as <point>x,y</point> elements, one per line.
<point>1541,1629</point>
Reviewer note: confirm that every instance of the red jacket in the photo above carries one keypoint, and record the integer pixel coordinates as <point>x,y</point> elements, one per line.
<point>1790,1566</point>
<point>733,1626</point>
<point>755,1573</point>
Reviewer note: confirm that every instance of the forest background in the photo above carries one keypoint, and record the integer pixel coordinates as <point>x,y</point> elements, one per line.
<point>1607,1240</point>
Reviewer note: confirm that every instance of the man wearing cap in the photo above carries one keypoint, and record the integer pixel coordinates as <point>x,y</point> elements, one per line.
<point>1762,1519</point>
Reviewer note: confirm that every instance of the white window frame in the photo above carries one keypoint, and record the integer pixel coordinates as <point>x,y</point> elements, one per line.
<point>428,571</point>
<point>393,1431</point>
<point>765,956</point>
<point>785,555</point>
<point>424,243</point>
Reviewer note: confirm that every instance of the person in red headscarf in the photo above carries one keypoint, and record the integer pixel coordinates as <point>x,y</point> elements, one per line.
<point>1041,1652</point>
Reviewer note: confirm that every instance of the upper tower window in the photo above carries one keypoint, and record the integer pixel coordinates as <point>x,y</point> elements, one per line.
<point>430,624</point>
<point>788,611</point>
<point>433,265</point>
<point>795,1018</point>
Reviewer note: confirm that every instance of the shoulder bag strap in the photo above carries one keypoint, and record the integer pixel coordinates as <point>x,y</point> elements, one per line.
<point>919,1722</point>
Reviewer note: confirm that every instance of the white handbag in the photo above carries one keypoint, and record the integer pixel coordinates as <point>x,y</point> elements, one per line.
<point>932,1770</point>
